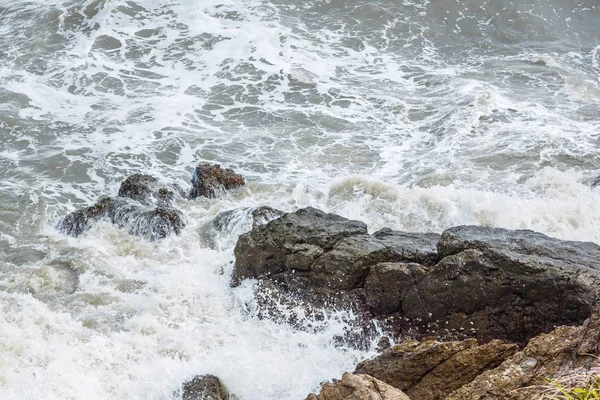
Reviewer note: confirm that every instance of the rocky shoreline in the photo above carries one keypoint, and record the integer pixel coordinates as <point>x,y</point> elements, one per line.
<point>477,313</point>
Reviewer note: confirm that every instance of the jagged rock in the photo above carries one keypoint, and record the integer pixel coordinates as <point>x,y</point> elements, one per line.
<point>210,179</point>
<point>410,247</point>
<point>430,370</point>
<point>522,247</point>
<point>566,350</point>
<point>264,250</point>
<point>151,223</point>
<point>205,387</point>
<point>358,387</point>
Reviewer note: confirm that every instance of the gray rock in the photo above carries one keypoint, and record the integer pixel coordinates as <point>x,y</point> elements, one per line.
<point>481,282</point>
<point>264,251</point>
<point>143,207</point>
<point>410,247</point>
<point>387,284</point>
<point>492,297</point>
<point>524,247</point>
<point>151,223</point>
<point>330,251</point>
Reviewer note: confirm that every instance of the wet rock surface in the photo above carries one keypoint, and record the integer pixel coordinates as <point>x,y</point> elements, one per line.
<point>152,223</point>
<point>358,387</point>
<point>469,282</point>
<point>210,180</point>
<point>147,207</point>
<point>205,387</point>
<point>144,207</point>
<point>218,231</point>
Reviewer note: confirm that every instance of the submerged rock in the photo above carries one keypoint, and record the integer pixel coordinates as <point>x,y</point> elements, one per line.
<point>210,179</point>
<point>226,225</point>
<point>75,223</point>
<point>358,387</point>
<point>468,282</point>
<point>226,220</point>
<point>143,207</point>
<point>205,387</point>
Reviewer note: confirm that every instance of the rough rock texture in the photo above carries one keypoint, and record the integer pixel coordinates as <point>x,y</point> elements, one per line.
<point>322,250</point>
<point>430,370</point>
<point>469,282</point>
<point>210,179</point>
<point>505,284</point>
<point>358,387</point>
<point>143,207</point>
<point>566,349</point>
<point>204,387</point>
<point>147,190</point>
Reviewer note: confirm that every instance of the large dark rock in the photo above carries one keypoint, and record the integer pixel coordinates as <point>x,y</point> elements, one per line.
<point>430,370</point>
<point>498,283</point>
<point>311,260</point>
<point>324,250</point>
<point>480,282</point>
<point>204,387</point>
<point>209,180</point>
<point>143,207</point>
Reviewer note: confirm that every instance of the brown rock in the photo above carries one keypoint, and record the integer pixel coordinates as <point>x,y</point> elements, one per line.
<point>210,179</point>
<point>546,357</point>
<point>358,387</point>
<point>430,370</point>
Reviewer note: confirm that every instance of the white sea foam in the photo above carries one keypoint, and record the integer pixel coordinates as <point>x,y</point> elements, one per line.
<point>402,115</point>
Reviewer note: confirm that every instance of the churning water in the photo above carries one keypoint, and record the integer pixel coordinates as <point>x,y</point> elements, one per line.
<point>416,115</point>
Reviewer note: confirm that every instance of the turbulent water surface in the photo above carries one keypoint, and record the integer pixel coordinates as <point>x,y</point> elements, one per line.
<point>416,115</point>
